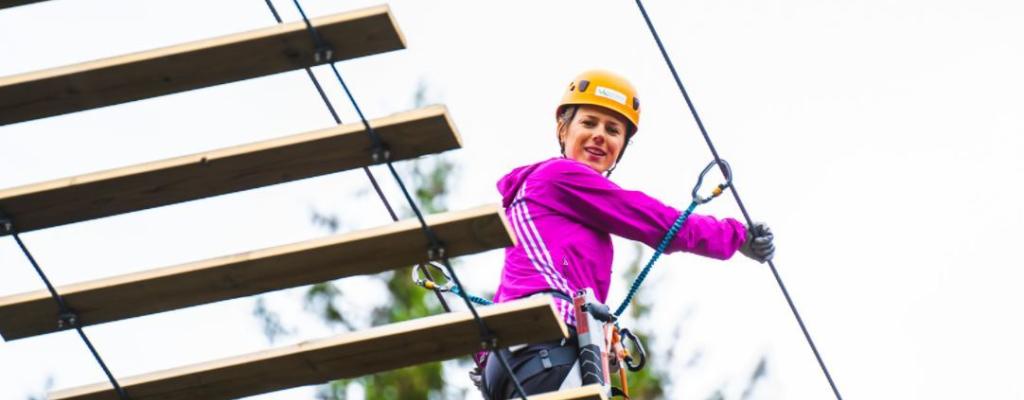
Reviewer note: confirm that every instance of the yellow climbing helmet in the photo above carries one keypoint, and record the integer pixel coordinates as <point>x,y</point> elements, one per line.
<point>605,89</point>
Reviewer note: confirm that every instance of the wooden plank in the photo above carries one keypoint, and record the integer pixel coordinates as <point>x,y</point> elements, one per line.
<point>351,355</point>
<point>199,64</point>
<point>589,392</point>
<point>15,3</point>
<point>357,253</point>
<point>343,147</point>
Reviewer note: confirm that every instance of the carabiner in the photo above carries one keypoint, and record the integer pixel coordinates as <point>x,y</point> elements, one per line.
<point>639,347</point>
<point>419,279</point>
<point>721,186</point>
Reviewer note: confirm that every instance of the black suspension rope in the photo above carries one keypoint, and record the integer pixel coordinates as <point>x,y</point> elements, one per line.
<point>337,119</point>
<point>381,154</point>
<point>66,315</point>
<point>736,195</point>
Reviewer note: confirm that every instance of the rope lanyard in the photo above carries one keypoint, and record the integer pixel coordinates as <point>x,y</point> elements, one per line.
<point>735,194</point>
<point>673,230</point>
<point>381,154</point>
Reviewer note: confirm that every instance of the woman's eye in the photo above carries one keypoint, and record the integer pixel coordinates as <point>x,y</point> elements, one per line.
<point>589,124</point>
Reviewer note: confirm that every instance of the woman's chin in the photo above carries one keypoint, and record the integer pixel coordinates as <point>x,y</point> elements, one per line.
<point>589,161</point>
<point>599,167</point>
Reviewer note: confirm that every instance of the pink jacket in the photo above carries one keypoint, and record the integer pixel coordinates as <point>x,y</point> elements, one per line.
<point>563,213</point>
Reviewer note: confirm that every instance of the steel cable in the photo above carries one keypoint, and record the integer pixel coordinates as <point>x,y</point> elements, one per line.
<point>66,315</point>
<point>739,202</point>
<point>436,247</point>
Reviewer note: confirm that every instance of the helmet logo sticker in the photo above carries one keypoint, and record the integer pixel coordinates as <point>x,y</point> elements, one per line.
<point>611,94</point>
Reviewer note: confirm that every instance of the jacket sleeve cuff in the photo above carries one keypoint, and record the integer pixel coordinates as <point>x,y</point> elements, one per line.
<point>709,237</point>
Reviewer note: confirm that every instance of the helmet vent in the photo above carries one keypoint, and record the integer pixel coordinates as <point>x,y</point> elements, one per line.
<point>583,85</point>
<point>636,104</point>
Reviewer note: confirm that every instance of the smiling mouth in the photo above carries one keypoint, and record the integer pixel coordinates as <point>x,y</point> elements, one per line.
<point>595,151</point>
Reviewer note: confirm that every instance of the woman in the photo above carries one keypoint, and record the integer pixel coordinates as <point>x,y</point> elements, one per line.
<point>564,211</point>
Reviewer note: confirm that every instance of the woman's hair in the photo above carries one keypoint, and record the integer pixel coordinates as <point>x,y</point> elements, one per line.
<point>564,118</point>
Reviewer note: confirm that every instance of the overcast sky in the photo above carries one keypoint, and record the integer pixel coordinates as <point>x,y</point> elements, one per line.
<point>881,140</point>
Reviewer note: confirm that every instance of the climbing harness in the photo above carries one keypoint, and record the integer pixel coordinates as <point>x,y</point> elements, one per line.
<point>600,348</point>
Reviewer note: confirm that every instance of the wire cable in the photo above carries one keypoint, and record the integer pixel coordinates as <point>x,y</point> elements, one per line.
<point>436,249</point>
<point>67,316</point>
<point>736,195</point>
<point>337,119</point>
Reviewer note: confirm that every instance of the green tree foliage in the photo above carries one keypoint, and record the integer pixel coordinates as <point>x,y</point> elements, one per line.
<point>429,177</point>
<point>271,322</point>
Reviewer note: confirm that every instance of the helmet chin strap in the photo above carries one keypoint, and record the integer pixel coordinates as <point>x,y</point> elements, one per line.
<point>608,173</point>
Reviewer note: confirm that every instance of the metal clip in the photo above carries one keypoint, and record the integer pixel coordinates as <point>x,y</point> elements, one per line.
<point>436,253</point>
<point>381,154</point>
<point>6,225</point>
<point>545,359</point>
<point>422,279</point>
<point>727,170</point>
<point>323,53</point>
<point>628,336</point>
<point>489,342</point>
<point>67,319</point>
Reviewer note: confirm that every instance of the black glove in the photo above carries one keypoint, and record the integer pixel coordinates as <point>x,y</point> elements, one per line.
<point>759,246</point>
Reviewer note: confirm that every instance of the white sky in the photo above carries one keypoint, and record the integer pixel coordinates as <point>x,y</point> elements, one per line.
<point>881,140</point>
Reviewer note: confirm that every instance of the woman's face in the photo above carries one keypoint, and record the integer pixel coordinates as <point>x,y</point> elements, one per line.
<point>595,137</point>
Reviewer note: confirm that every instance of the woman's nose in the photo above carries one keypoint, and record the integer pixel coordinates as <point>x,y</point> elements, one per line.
<point>598,137</point>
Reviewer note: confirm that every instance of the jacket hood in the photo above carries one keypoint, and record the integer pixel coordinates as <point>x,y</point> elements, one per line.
<point>509,185</point>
